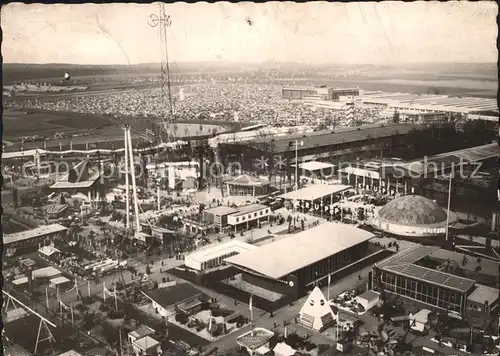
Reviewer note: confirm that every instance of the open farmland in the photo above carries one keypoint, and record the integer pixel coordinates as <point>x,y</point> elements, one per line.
<point>37,122</point>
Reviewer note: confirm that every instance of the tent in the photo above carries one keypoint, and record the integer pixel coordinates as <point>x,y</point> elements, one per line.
<point>316,312</point>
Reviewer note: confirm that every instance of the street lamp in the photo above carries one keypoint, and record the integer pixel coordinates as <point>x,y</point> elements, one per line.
<point>297,143</point>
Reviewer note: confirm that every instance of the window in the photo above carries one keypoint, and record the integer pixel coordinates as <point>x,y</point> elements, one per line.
<point>237,219</point>
<point>254,215</point>
<point>261,213</point>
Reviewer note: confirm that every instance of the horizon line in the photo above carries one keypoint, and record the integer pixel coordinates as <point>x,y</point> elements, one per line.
<point>250,62</point>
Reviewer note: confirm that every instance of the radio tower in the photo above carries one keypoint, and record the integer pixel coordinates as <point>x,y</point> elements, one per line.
<point>162,21</point>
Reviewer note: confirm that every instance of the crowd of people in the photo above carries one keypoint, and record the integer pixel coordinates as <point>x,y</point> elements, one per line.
<point>211,101</point>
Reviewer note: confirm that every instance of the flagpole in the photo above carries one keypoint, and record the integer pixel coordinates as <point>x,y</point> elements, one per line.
<point>88,287</point>
<point>121,344</point>
<point>116,300</point>
<point>104,291</point>
<point>250,306</point>
<point>328,290</point>
<point>321,208</point>
<point>47,297</point>
<point>448,214</point>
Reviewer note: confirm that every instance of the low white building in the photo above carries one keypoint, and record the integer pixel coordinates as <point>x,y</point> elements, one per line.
<point>249,215</point>
<point>139,333</point>
<point>213,256</point>
<point>420,320</point>
<point>146,346</point>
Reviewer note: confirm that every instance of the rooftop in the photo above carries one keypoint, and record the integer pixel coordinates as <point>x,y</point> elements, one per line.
<point>247,209</point>
<point>444,160</point>
<point>413,210</point>
<point>167,297</point>
<point>432,276</point>
<point>482,294</point>
<point>488,267</point>
<point>403,264</point>
<point>315,191</point>
<point>280,258</point>
<point>146,343</point>
<point>56,208</point>
<point>141,331</point>
<point>336,137</point>
<point>433,102</point>
<point>246,180</point>
<point>70,353</point>
<point>298,88</point>
<point>255,338</point>
<point>46,272</point>
<point>48,250</point>
<point>59,280</point>
<point>33,233</point>
<point>221,210</point>
<point>315,165</point>
<point>211,252</point>
<point>65,184</point>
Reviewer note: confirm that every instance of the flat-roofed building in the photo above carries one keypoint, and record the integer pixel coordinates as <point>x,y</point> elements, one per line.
<point>213,256</point>
<point>339,145</point>
<point>256,341</point>
<point>316,197</point>
<point>218,215</point>
<point>337,93</point>
<point>140,332</point>
<point>146,346</point>
<point>33,236</point>
<point>296,93</point>
<point>292,264</point>
<point>407,274</point>
<point>249,216</point>
<point>165,300</point>
<point>162,234</point>
<point>316,169</point>
<point>483,299</point>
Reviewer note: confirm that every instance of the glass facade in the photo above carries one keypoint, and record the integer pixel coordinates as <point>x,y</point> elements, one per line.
<point>428,293</point>
<point>311,273</point>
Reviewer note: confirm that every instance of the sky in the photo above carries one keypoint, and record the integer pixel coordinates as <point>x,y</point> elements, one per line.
<point>316,32</point>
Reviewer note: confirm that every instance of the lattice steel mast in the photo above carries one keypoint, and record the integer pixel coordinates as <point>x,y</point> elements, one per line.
<point>162,21</point>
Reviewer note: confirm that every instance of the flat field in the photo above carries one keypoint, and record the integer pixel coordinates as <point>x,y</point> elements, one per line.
<point>37,122</point>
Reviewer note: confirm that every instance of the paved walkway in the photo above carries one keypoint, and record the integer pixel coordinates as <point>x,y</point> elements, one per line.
<point>285,314</point>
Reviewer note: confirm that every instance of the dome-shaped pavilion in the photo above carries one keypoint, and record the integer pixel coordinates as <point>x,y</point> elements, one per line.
<point>412,215</point>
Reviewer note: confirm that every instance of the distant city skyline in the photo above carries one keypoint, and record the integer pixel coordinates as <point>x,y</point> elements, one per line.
<point>313,33</point>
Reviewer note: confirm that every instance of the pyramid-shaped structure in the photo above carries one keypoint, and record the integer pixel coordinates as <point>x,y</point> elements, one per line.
<point>316,312</point>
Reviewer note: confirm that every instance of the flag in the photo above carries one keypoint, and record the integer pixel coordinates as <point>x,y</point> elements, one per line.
<point>250,307</point>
